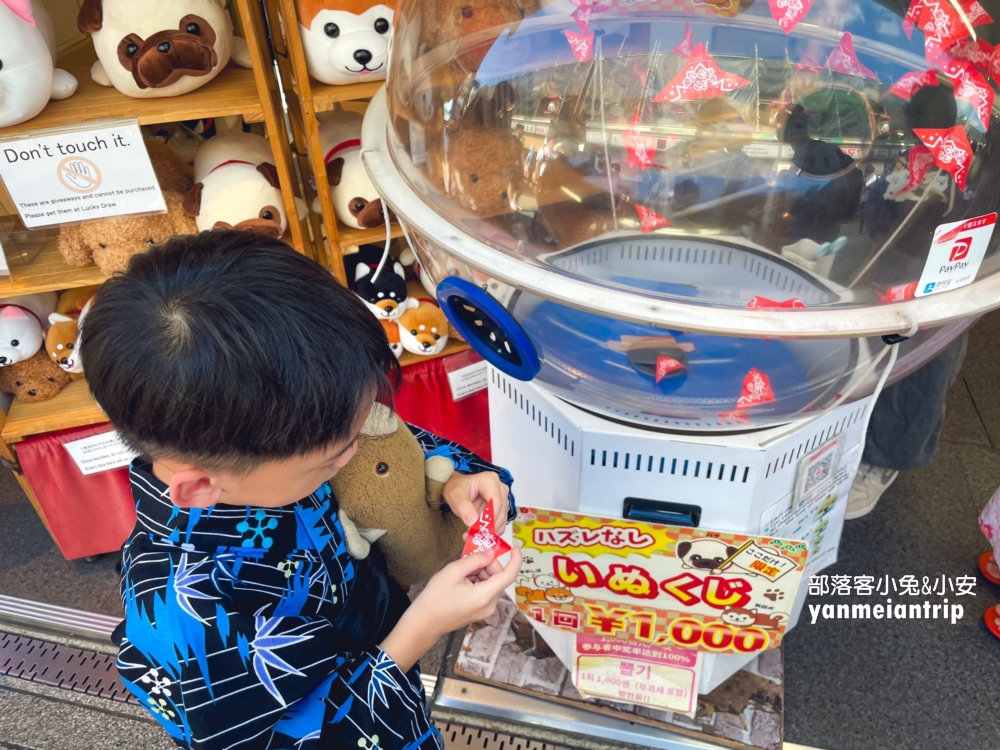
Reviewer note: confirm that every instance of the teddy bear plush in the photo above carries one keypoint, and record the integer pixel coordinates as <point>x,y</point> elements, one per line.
<point>37,378</point>
<point>111,242</point>
<point>345,41</point>
<point>28,78</point>
<point>150,48</point>
<point>390,493</point>
<point>448,20</point>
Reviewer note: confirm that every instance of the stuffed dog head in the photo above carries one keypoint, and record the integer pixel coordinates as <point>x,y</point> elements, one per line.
<point>355,201</point>
<point>34,379</point>
<point>20,334</point>
<point>386,295</point>
<point>345,41</point>
<point>151,48</point>
<point>424,329</point>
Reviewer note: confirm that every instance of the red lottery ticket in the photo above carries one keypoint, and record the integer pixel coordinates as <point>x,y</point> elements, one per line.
<point>482,536</point>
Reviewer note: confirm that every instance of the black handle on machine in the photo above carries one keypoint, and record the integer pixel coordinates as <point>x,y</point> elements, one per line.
<point>658,511</point>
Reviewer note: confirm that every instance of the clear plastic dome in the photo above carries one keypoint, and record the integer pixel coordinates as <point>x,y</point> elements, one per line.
<point>741,178</point>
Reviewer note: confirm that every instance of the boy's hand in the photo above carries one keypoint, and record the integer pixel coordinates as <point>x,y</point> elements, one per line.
<point>468,494</point>
<point>460,593</point>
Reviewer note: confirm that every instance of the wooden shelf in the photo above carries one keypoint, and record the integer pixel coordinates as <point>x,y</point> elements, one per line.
<point>233,92</point>
<point>73,407</point>
<point>349,236</point>
<point>48,272</point>
<point>324,96</point>
<point>454,346</point>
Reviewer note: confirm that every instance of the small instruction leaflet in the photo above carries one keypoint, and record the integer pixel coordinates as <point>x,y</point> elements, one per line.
<point>650,675</point>
<point>79,175</point>
<point>663,585</point>
<point>956,253</point>
<point>466,374</point>
<point>99,453</point>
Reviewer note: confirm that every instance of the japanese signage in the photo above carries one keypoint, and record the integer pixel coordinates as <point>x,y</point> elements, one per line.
<point>665,585</point>
<point>87,174</point>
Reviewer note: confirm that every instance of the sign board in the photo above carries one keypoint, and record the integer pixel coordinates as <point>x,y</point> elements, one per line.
<point>102,452</point>
<point>70,176</point>
<point>956,253</point>
<point>467,379</point>
<point>670,586</point>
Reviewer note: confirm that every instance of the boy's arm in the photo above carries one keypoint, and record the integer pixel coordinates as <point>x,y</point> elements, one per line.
<point>214,677</point>
<point>466,462</point>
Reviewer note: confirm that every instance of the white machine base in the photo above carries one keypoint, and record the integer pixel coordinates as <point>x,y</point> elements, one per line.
<point>564,458</point>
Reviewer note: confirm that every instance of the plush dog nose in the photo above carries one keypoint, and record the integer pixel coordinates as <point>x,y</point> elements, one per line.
<point>3,360</point>
<point>363,56</point>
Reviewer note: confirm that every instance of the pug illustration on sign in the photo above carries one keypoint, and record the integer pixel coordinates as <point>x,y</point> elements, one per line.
<point>345,41</point>
<point>149,49</point>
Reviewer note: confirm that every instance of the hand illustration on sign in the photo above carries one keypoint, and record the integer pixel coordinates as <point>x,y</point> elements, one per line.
<point>79,175</point>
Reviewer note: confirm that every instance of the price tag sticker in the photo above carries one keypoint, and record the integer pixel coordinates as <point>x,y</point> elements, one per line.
<point>99,453</point>
<point>631,672</point>
<point>956,253</point>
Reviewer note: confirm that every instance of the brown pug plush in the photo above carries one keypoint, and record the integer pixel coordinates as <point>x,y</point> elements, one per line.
<point>37,378</point>
<point>390,493</point>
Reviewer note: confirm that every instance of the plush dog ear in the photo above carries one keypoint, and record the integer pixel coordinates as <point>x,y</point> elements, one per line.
<point>91,17</point>
<point>398,268</point>
<point>334,170</point>
<point>361,271</point>
<point>683,548</point>
<point>381,422</point>
<point>192,201</point>
<point>59,318</point>
<point>270,172</point>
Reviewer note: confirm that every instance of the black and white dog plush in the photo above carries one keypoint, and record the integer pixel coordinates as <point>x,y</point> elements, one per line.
<point>385,295</point>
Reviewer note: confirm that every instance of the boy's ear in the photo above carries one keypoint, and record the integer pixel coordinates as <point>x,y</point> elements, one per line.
<point>193,488</point>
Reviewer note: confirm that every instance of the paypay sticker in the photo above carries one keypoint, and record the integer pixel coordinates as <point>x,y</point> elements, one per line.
<point>956,253</point>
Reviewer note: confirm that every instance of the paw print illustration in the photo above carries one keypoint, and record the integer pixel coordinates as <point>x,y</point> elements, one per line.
<point>288,567</point>
<point>159,685</point>
<point>774,595</point>
<point>263,524</point>
<point>161,707</point>
<point>371,744</point>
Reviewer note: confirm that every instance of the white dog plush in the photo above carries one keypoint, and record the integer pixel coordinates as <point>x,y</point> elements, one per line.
<point>345,41</point>
<point>28,78</point>
<point>355,200</point>
<point>236,186</point>
<point>23,322</point>
<point>152,48</point>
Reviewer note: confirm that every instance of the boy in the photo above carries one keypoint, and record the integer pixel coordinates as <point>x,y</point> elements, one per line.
<point>243,372</point>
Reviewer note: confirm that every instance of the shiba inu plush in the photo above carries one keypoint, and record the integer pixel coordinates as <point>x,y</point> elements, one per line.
<point>28,78</point>
<point>345,41</point>
<point>236,186</point>
<point>386,294</point>
<point>62,340</point>
<point>424,329</point>
<point>390,493</point>
<point>392,333</point>
<point>356,203</point>
<point>150,48</point>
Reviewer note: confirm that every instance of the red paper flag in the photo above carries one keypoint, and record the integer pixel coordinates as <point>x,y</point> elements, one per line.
<point>909,83</point>
<point>482,536</point>
<point>920,160</point>
<point>641,148</point>
<point>649,219</point>
<point>700,78</point>
<point>971,87</point>
<point>844,59</point>
<point>756,390</point>
<point>980,53</point>
<point>582,17</point>
<point>685,47</point>
<point>582,46</point>
<point>789,12</point>
<point>976,13</point>
<point>941,23</point>
<point>666,365</point>
<point>951,150</point>
<point>762,303</point>
<point>898,293</point>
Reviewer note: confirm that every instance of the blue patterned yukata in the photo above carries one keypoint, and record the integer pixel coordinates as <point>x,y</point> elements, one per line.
<point>251,628</point>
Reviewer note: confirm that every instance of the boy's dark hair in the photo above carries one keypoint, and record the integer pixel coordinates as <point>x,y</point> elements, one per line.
<point>226,348</point>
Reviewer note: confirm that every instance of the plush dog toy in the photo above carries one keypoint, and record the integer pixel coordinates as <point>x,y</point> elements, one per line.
<point>23,321</point>
<point>392,333</point>
<point>34,379</point>
<point>28,76</point>
<point>424,329</point>
<point>355,200</point>
<point>111,242</point>
<point>389,492</point>
<point>151,48</point>
<point>345,41</point>
<point>447,20</point>
<point>62,340</point>
<point>386,294</point>
<point>236,186</point>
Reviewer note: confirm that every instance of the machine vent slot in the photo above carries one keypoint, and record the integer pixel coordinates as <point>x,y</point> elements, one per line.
<point>659,464</point>
<point>810,444</point>
<point>534,414</point>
